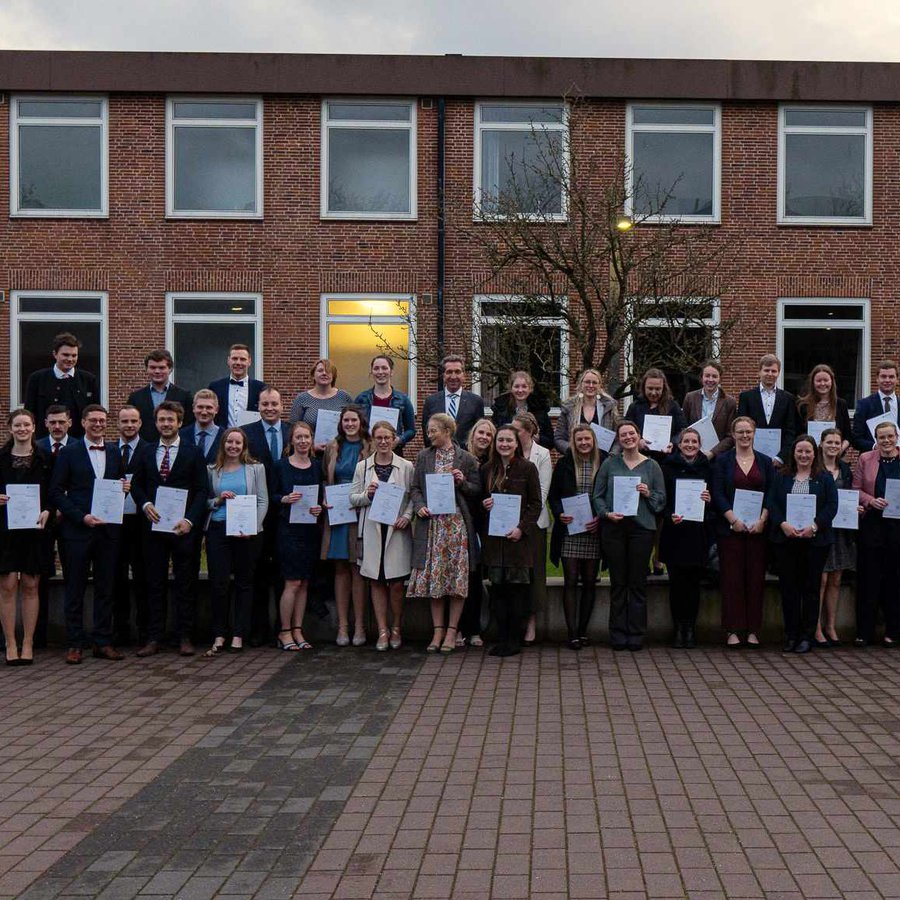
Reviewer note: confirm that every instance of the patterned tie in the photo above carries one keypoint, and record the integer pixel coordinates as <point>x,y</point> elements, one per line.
<point>887,404</point>
<point>201,443</point>
<point>164,466</point>
<point>57,446</point>
<point>273,441</point>
<point>126,454</point>
<point>451,406</point>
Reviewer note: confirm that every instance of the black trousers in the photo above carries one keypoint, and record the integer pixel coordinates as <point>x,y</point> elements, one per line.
<point>470,620</point>
<point>508,601</point>
<point>227,556</point>
<point>159,549</point>
<point>131,560</point>
<point>626,548</point>
<point>96,549</point>
<point>800,564</point>
<point>878,580</point>
<point>40,631</point>
<point>266,580</point>
<point>684,593</point>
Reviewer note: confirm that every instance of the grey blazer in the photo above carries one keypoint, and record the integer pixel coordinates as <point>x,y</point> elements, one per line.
<point>256,484</point>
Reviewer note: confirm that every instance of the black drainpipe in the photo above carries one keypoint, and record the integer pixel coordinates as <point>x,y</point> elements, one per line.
<point>441,275</point>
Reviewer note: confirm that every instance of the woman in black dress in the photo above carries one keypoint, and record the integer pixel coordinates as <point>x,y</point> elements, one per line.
<point>520,397</point>
<point>24,551</point>
<point>298,543</point>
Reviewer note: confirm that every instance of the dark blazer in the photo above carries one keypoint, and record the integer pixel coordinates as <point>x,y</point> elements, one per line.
<point>722,488</point>
<point>640,409</point>
<point>143,401</point>
<point>505,408</point>
<point>72,486</point>
<point>841,419</point>
<point>132,460</point>
<point>866,408</point>
<point>522,479</point>
<point>39,472</point>
<point>784,415</point>
<point>722,417</point>
<point>258,442</point>
<point>45,443</point>
<point>187,436</point>
<point>188,471</point>
<point>471,409</point>
<point>220,389</point>
<point>562,484</point>
<point>822,485</point>
<point>41,391</point>
<point>685,544</point>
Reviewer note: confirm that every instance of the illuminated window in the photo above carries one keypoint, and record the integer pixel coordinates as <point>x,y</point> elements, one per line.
<point>355,328</point>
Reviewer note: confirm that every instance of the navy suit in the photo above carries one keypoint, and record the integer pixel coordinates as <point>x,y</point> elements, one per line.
<point>471,409</point>
<point>784,415</point>
<point>43,389</point>
<point>220,389</point>
<point>187,435</point>
<point>142,399</point>
<point>71,492</point>
<point>867,408</point>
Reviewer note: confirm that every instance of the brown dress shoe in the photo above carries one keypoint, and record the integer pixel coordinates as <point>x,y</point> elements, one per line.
<point>73,656</point>
<point>108,652</point>
<point>186,648</point>
<point>151,648</point>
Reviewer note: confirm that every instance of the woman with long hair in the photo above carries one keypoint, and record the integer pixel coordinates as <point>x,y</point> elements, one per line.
<point>655,399</point>
<point>591,405</point>
<point>521,397</point>
<point>819,402</point>
<point>24,550</point>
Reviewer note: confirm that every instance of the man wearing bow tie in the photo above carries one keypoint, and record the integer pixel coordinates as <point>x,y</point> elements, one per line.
<point>239,393</point>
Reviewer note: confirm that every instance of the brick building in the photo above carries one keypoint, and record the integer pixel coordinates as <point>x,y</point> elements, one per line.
<point>192,200</point>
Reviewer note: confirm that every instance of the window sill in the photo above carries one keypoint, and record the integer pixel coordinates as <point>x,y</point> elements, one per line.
<point>59,214</point>
<point>364,217</point>
<point>824,223</point>
<point>213,216</point>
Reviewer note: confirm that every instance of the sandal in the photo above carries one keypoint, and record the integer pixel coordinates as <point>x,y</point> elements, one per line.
<point>215,650</point>
<point>382,643</point>
<point>435,644</point>
<point>302,643</point>
<point>476,641</point>
<point>449,647</point>
<point>396,641</point>
<point>287,645</point>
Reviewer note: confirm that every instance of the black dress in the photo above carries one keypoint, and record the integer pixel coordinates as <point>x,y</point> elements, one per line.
<point>298,544</point>
<point>25,550</point>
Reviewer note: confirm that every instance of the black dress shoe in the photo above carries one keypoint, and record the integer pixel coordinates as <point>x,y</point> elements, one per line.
<point>618,647</point>
<point>678,643</point>
<point>635,648</point>
<point>789,646</point>
<point>690,637</point>
<point>574,644</point>
<point>803,646</point>
<point>818,643</point>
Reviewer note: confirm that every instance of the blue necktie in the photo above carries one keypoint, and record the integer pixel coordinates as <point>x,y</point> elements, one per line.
<point>451,406</point>
<point>273,441</point>
<point>201,442</point>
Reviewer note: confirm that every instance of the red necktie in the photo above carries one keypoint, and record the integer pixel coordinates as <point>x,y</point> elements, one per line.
<point>164,466</point>
<point>56,448</point>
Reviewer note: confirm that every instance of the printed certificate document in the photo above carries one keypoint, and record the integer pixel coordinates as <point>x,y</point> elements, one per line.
<point>580,509</point>
<point>23,509</point>
<point>326,425</point>
<point>625,494</point>
<point>505,514</point>
<point>341,512</point>
<point>440,494</point>
<point>171,504</point>
<point>386,503</point>
<point>108,500</point>
<point>300,514</point>
<point>240,515</point>
<point>688,504</point>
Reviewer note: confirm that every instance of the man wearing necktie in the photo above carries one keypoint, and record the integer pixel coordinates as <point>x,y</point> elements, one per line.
<point>239,393</point>
<point>882,402</point>
<point>464,407</point>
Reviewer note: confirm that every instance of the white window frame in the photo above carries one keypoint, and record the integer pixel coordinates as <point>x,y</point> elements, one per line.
<point>256,319</point>
<point>172,123</point>
<point>713,322</point>
<point>478,320</point>
<point>863,325</point>
<point>478,214</point>
<point>325,320</point>
<point>783,131</point>
<point>374,124</point>
<point>715,129</point>
<point>16,390</point>
<point>15,120</point>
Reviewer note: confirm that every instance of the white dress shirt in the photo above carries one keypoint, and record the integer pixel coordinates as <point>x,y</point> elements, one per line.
<point>893,399</point>
<point>173,452</point>
<point>768,401</point>
<point>97,458</point>
<point>238,398</point>
<point>58,372</point>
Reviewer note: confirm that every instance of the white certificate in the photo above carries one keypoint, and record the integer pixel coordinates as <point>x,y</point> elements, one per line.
<point>767,441</point>
<point>847,513</point>
<point>247,417</point>
<point>384,414</point>
<point>505,514</point>
<point>440,494</point>
<point>130,507</point>
<point>300,511</point>
<point>892,495</point>
<point>171,504</point>
<point>108,500</point>
<point>801,510</point>
<point>708,437</point>
<point>387,502</point>
<point>606,437</point>
<point>747,506</point>
<point>688,504</point>
<point>875,421</point>
<point>338,497</point>
<point>625,494</point>
<point>815,429</point>
<point>24,506</point>
<point>657,432</point>
<point>240,515</point>
<point>326,425</point>
<point>580,509</point>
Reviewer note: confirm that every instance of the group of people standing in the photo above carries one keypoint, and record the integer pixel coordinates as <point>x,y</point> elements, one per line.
<point>277,500</point>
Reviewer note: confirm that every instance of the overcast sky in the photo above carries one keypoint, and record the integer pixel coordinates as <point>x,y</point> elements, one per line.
<point>736,29</point>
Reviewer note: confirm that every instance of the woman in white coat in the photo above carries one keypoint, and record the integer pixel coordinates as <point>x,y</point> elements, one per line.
<point>385,549</point>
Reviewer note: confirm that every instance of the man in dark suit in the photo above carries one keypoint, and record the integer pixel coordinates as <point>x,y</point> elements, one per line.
<point>170,463</point>
<point>61,385</point>
<point>266,441</point>
<point>881,402</point>
<point>463,406</point>
<point>131,554</point>
<point>771,407</point>
<point>159,365</point>
<point>239,393</point>
<point>89,541</point>
<point>203,433</point>
<point>711,400</point>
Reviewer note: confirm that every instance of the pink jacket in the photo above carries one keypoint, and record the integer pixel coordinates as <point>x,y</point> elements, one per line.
<point>865,475</point>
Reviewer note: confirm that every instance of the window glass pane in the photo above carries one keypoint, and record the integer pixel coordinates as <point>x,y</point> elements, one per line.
<point>36,342</point>
<point>672,115</point>
<point>371,112</point>
<point>368,170</point>
<point>60,306</point>
<point>352,346</point>
<point>524,114</point>
<point>664,348</point>
<point>507,347</point>
<point>823,311</point>
<point>215,306</point>
<point>191,109</point>
<point>522,171</point>
<point>59,167</point>
<point>62,109</point>
<point>840,348</point>
<point>825,175</point>
<point>215,169</point>
<point>201,349</point>
<point>838,118</point>
<point>673,173</point>
<point>368,307</point>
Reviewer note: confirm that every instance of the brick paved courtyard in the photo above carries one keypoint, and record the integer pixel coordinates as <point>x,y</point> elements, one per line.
<point>355,774</point>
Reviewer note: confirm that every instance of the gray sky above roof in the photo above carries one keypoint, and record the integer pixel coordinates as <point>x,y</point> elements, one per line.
<point>865,30</point>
